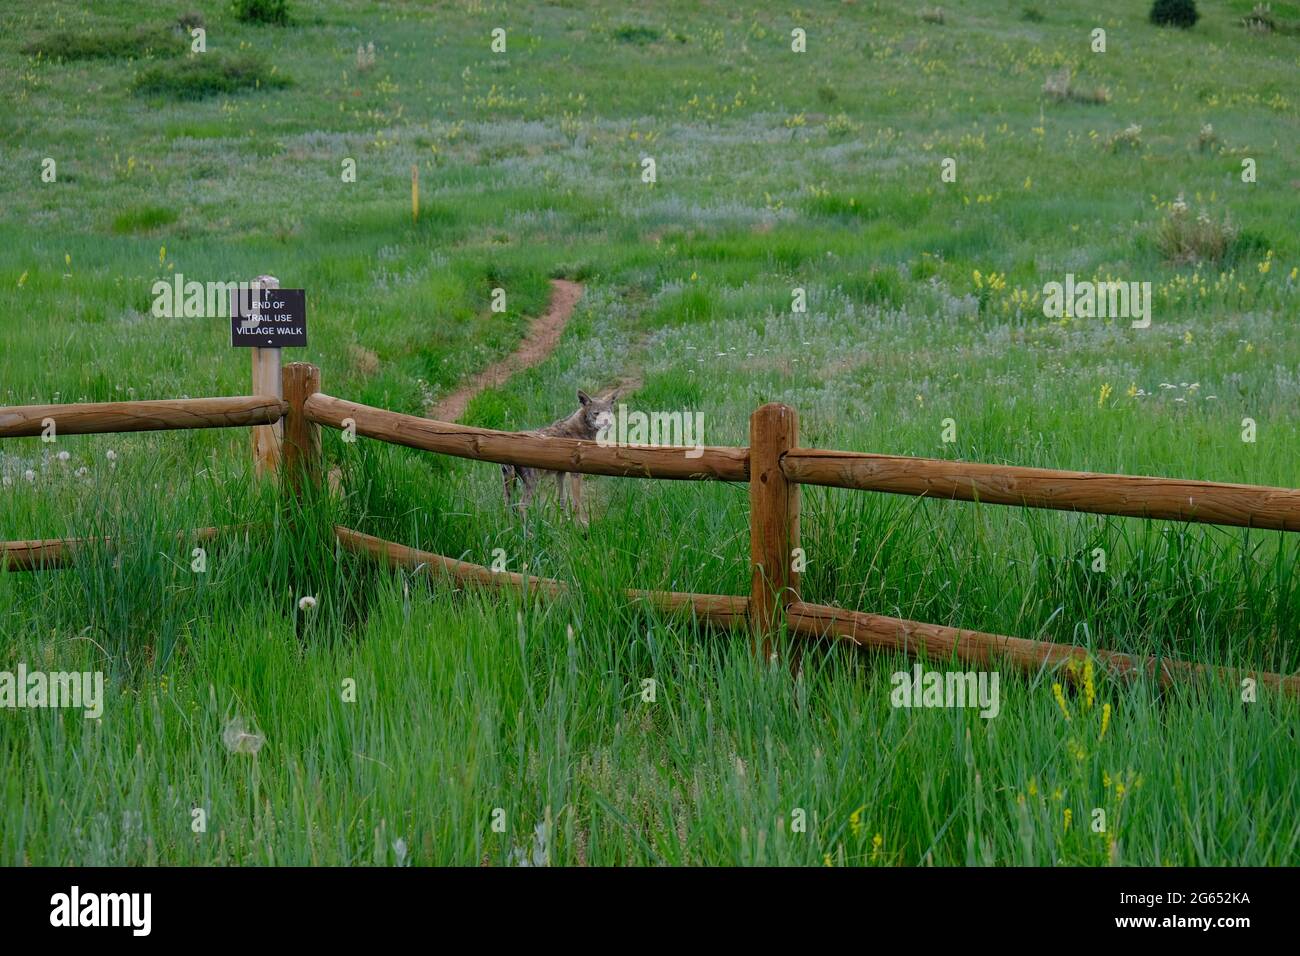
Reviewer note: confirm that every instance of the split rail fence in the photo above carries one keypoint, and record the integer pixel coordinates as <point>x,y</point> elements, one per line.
<point>289,411</point>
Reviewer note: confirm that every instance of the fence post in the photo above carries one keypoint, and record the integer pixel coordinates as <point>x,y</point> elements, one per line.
<point>267,381</point>
<point>773,522</point>
<point>301,464</point>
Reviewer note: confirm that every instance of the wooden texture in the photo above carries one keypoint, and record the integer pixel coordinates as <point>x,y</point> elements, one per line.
<point>302,464</point>
<point>1128,496</point>
<point>266,439</point>
<point>990,651</point>
<point>520,448</point>
<point>773,522</point>
<point>51,554</point>
<point>720,609</point>
<point>101,417</point>
<point>459,572</point>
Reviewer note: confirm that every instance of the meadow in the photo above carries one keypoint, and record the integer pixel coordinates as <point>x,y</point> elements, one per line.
<point>492,730</point>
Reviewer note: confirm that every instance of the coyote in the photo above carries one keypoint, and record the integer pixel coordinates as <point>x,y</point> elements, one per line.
<point>592,415</point>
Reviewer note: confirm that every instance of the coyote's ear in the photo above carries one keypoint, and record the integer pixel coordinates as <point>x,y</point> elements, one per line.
<point>583,398</point>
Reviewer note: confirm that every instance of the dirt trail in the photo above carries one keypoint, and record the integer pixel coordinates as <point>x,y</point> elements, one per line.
<point>539,341</point>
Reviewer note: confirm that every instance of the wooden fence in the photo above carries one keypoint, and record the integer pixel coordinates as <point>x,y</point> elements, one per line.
<point>773,465</point>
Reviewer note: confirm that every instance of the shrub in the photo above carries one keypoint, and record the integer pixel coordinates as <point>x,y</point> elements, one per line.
<point>637,35</point>
<point>143,219</point>
<point>365,57</point>
<point>1174,13</point>
<point>1130,137</point>
<point>881,286</point>
<point>196,77</point>
<point>1260,19</point>
<point>106,43</point>
<point>840,125</point>
<point>1208,138</point>
<point>1059,86</point>
<point>1183,238</point>
<point>262,11</point>
<point>1032,15</point>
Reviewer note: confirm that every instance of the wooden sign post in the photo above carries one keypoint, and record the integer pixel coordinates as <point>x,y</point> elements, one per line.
<point>267,380</point>
<point>265,319</point>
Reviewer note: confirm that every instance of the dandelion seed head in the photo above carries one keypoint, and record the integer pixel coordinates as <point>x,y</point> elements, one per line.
<point>240,738</point>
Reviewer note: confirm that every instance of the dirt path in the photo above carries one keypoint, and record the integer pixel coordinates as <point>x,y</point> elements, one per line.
<point>539,341</point>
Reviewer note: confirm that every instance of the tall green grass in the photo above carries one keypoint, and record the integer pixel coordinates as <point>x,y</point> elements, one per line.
<point>776,171</point>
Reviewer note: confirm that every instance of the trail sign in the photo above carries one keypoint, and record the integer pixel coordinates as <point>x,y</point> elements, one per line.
<point>268,318</point>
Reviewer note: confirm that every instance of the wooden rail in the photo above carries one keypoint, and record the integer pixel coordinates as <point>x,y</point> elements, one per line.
<point>723,609</point>
<point>532,451</point>
<point>1174,499</point>
<point>990,650</point>
<point>51,554</point>
<point>100,417</point>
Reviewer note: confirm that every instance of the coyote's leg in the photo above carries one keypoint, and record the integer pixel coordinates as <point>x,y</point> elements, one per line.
<point>561,488</point>
<point>508,479</point>
<point>530,485</point>
<point>575,492</point>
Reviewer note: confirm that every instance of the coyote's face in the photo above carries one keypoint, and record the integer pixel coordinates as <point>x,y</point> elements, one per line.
<point>597,414</point>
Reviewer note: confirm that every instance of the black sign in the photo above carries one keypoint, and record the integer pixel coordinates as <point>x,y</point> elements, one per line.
<point>269,318</point>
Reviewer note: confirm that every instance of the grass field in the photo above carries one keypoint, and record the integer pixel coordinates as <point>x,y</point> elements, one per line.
<point>486,730</point>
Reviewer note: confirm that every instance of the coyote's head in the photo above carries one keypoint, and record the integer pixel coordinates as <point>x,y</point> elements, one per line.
<point>597,413</point>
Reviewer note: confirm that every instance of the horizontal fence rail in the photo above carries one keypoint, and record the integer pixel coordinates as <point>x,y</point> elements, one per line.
<point>530,451</point>
<point>1209,502</point>
<point>23,421</point>
<point>988,650</point>
<point>52,554</point>
<point>724,609</point>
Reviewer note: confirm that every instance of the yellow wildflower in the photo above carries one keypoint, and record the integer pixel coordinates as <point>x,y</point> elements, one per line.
<point>1060,701</point>
<point>1105,722</point>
